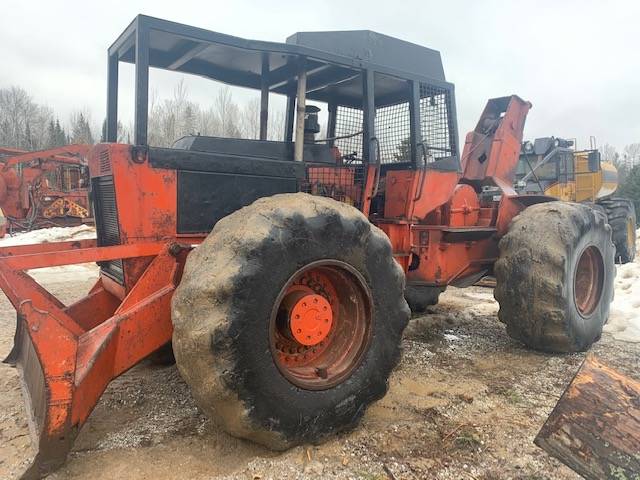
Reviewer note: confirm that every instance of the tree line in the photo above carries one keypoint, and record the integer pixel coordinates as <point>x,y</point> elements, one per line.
<point>28,125</point>
<point>627,163</point>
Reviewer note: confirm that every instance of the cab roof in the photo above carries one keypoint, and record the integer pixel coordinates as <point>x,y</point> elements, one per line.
<point>333,60</point>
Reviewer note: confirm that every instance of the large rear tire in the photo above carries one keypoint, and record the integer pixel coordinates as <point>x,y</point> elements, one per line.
<point>288,319</point>
<point>554,277</point>
<point>621,215</point>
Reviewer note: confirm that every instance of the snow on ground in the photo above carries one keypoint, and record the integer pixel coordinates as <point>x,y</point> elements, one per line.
<point>53,234</point>
<point>56,234</point>
<point>624,320</point>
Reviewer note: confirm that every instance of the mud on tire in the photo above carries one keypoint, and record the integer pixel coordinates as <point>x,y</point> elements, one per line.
<point>621,215</point>
<point>549,297</point>
<point>223,311</point>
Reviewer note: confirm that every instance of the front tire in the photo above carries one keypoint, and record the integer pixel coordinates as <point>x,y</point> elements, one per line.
<point>554,276</point>
<point>288,319</point>
<point>621,215</point>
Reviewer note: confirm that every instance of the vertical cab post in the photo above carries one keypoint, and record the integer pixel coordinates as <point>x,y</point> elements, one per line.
<point>112,98</point>
<point>142,83</point>
<point>301,104</point>
<point>369,115</point>
<point>264,97</point>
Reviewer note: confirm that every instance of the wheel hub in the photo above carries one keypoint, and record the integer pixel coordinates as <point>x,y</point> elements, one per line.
<point>589,280</point>
<point>311,319</point>
<point>321,325</point>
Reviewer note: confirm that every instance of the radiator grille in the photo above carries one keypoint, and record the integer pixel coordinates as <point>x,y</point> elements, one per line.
<point>104,162</point>
<point>107,228</point>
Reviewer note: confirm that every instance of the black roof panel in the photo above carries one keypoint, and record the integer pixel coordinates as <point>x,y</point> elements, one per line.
<point>333,59</point>
<point>375,48</point>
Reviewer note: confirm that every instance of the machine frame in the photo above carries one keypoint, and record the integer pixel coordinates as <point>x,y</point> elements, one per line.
<point>153,205</point>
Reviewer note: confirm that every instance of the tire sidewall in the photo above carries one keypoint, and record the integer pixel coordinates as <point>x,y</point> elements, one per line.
<point>587,328</point>
<point>255,376</point>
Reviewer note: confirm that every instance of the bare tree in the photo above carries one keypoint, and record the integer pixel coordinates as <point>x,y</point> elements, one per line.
<point>175,117</point>
<point>207,122</point>
<point>250,119</point>
<point>632,155</point>
<point>609,153</point>
<point>275,130</point>
<point>23,123</point>
<point>227,113</point>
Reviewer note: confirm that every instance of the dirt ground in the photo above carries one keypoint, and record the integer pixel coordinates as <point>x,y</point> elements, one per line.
<point>465,403</point>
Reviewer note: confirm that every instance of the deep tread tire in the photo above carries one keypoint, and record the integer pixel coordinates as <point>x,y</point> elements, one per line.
<point>535,276</point>
<point>222,307</point>
<point>621,215</point>
<point>419,297</point>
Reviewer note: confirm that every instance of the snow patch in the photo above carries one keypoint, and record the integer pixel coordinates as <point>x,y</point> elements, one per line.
<point>47,235</point>
<point>84,271</point>
<point>624,317</point>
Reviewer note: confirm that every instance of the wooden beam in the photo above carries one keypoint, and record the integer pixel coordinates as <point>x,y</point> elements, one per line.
<point>595,427</point>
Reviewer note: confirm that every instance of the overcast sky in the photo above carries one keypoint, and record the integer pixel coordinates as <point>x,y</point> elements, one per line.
<point>578,62</point>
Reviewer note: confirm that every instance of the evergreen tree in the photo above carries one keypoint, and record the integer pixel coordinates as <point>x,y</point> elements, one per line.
<point>60,135</point>
<point>50,141</point>
<point>630,187</point>
<point>81,130</point>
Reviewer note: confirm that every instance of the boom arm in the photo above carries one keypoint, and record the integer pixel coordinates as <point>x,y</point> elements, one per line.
<point>491,151</point>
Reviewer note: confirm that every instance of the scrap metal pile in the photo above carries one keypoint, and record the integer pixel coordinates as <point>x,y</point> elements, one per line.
<point>39,190</point>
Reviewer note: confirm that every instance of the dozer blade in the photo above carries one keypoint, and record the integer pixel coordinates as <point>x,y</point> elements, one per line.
<point>67,355</point>
<point>595,427</point>
<point>48,411</point>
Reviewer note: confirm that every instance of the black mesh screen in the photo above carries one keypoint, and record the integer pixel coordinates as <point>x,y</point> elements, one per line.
<point>436,126</point>
<point>343,183</point>
<point>393,131</point>
<point>349,127</point>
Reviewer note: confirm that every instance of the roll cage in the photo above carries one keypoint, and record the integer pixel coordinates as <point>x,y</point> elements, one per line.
<point>388,101</point>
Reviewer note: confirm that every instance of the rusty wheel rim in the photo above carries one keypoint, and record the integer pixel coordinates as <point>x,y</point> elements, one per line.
<point>320,325</point>
<point>588,282</point>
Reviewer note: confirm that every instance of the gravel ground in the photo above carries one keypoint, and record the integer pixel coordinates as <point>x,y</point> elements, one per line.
<point>465,403</point>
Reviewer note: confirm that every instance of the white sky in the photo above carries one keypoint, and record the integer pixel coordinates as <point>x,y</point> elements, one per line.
<point>578,62</point>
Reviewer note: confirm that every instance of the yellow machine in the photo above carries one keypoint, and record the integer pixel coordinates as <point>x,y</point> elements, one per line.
<point>551,166</point>
<point>587,186</point>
